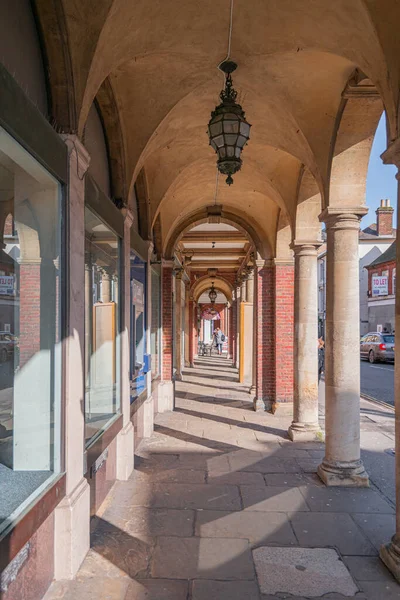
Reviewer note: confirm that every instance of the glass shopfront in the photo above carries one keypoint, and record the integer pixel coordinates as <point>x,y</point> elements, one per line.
<point>155,324</point>
<point>138,367</point>
<point>30,309</point>
<point>102,344</point>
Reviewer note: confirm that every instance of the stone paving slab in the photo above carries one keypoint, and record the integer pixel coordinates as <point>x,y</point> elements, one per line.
<point>224,590</point>
<point>186,496</point>
<point>202,558</point>
<point>273,499</point>
<point>336,530</point>
<point>311,572</point>
<point>378,528</point>
<point>345,500</point>
<point>367,568</point>
<point>253,526</point>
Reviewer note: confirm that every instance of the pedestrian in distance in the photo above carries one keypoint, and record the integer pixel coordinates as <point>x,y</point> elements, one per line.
<point>321,357</point>
<point>219,339</point>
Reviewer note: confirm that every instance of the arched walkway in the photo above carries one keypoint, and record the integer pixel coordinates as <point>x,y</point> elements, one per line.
<point>215,487</point>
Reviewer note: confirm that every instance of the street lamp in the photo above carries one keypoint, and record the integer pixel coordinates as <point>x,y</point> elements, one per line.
<point>212,294</point>
<point>228,129</point>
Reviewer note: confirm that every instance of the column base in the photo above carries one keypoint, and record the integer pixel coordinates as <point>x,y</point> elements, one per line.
<point>352,474</point>
<point>390,556</point>
<point>252,389</point>
<point>165,396</point>
<point>178,376</point>
<point>305,432</point>
<point>72,531</point>
<point>125,452</point>
<point>258,405</point>
<point>191,365</point>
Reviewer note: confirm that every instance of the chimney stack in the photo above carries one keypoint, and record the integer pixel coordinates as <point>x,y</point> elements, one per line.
<point>384,219</point>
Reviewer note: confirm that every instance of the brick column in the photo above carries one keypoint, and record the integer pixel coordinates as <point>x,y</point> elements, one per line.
<point>264,335</point>
<point>72,515</point>
<point>29,298</point>
<point>187,324</point>
<point>166,390</point>
<point>234,328</point>
<point>284,333</point>
<point>230,331</point>
<point>178,323</point>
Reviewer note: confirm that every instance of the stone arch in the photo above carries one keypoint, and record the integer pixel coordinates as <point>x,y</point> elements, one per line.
<point>357,119</point>
<point>203,283</point>
<point>110,116</point>
<point>307,226</point>
<point>203,216</point>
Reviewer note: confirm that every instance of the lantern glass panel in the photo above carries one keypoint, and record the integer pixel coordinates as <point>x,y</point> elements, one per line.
<point>237,152</point>
<point>219,141</point>
<point>213,144</point>
<point>230,151</point>
<point>245,129</point>
<point>216,128</point>
<point>230,139</point>
<point>222,152</point>
<point>241,141</point>
<point>231,126</point>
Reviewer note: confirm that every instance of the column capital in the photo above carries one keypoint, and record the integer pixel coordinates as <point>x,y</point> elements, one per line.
<point>343,217</point>
<point>282,262</point>
<point>167,263</point>
<point>179,272</point>
<point>306,247</point>
<point>391,156</point>
<point>128,217</point>
<point>74,144</point>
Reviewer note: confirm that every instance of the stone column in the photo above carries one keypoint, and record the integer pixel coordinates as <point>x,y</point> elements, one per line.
<point>178,323</point>
<point>243,291</point>
<point>250,287</point>
<point>238,302</point>
<point>342,465</point>
<point>72,515</point>
<point>191,332</point>
<point>125,438</point>
<point>106,279</point>
<point>166,386</point>
<point>250,299</point>
<point>234,326</point>
<point>305,424</point>
<point>390,553</point>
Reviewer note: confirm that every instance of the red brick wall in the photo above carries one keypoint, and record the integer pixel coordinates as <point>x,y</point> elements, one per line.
<point>284,332</point>
<point>264,337</point>
<point>191,332</point>
<point>29,339</point>
<point>167,333</point>
<point>274,333</point>
<point>230,331</point>
<point>234,329</point>
<point>384,222</point>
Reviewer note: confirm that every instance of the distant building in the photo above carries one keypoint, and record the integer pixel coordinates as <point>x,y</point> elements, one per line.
<point>381,275</point>
<point>374,240</point>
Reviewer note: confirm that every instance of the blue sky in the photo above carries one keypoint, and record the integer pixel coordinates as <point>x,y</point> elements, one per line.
<point>381,179</point>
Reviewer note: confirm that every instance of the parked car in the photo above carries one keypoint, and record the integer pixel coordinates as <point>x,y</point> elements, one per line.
<point>377,346</point>
<point>8,345</point>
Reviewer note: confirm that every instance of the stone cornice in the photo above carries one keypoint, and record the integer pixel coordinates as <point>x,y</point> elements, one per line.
<point>391,156</point>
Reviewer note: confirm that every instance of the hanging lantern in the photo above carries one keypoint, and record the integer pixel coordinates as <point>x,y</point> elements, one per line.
<point>212,294</point>
<point>228,129</point>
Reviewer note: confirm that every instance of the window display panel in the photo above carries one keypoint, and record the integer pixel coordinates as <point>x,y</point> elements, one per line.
<point>102,395</point>
<point>30,353</point>
<point>155,324</point>
<point>138,325</point>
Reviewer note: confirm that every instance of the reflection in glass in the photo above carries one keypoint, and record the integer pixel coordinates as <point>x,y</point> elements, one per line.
<point>138,325</point>
<point>102,398</point>
<point>30,358</point>
<point>155,324</point>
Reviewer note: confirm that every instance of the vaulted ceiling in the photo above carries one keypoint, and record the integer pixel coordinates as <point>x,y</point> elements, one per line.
<point>313,77</point>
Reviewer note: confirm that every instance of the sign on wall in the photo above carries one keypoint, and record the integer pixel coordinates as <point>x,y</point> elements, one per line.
<point>7,285</point>
<point>380,286</point>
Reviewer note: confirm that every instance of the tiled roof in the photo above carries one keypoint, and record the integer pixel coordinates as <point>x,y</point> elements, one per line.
<point>387,256</point>
<point>371,233</point>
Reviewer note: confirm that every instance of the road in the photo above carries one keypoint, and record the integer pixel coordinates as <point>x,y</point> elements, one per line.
<point>377,381</point>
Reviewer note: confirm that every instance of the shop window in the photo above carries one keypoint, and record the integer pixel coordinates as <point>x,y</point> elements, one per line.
<point>155,324</point>
<point>30,354</point>
<point>138,326</point>
<point>102,344</point>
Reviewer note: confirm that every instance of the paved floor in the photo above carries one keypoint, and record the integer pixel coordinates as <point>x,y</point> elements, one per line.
<point>215,485</point>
